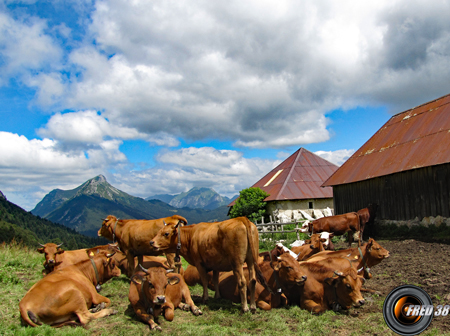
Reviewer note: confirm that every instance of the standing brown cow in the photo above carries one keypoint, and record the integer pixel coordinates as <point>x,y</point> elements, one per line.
<point>154,290</point>
<point>338,225</point>
<point>219,246</point>
<point>65,295</point>
<point>133,236</point>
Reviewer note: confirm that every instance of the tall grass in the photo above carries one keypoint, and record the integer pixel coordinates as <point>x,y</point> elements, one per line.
<point>21,267</point>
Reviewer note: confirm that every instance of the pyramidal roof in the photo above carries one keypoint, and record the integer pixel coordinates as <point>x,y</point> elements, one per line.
<point>298,177</point>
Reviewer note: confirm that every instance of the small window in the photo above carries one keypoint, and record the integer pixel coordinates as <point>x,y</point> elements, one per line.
<point>311,205</point>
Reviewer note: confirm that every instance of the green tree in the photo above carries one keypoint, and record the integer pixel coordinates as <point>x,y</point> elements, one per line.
<point>250,204</point>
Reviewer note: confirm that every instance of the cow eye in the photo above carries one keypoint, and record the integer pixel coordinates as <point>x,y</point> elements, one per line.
<point>166,234</point>
<point>348,286</point>
<point>288,267</point>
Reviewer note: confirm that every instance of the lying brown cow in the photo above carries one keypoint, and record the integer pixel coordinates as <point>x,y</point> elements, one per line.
<point>133,236</point>
<point>155,290</point>
<point>57,258</point>
<point>65,295</point>
<point>283,275</point>
<point>50,251</point>
<point>219,246</point>
<point>372,254</point>
<point>326,288</point>
<point>305,251</point>
<point>338,225</point>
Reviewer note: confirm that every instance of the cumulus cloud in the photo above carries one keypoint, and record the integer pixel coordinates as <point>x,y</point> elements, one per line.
<point>91,128</point>
<point>31,168</point>
<point>177,171</point>
<point>337,157</point>
<point>25,48</point>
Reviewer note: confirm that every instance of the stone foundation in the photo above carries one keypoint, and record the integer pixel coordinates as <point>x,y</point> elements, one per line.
<point>426,221</point>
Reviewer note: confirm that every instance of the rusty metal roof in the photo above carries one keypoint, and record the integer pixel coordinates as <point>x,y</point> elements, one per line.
<point>298,177</point>
<point>416,138</point>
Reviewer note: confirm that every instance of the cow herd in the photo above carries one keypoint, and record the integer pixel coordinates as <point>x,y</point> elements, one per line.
<point>222,256</point>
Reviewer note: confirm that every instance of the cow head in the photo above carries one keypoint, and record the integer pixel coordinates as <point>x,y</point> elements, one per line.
<point>107,227</point>
<point>305,227</point>
<point>50,250</point>
<point>109,267</point>
<point>288,269</point>
<point>346,288</point>
<point>166,238</point>
<point>376,253</point>
<point>154,282</point>
<point>327,236</point>
<point>109,249</point>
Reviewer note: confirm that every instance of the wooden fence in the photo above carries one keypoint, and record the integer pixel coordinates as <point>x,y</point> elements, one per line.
<point>275,227</point>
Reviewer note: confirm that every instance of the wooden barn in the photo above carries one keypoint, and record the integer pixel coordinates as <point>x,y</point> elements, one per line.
<point>295,184</point>
<point>404,167</point>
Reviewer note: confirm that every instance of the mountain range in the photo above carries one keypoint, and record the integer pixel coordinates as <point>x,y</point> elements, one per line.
<point>203,198</point>
<point>84,207</point>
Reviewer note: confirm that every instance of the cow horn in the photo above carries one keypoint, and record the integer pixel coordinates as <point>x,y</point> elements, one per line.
<point>164,222</point>
<point>41,245</point>
<point>59,245</point>
<point>169,271</point>
<point>142,268</point>
<point>110,254</point>
<point>338,273</point>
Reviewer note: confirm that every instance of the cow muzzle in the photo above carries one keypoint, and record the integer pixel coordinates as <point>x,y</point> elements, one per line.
<point>152,244</point>
<point>302,280</point>
<point>359,303</point>
<point>160,299</point>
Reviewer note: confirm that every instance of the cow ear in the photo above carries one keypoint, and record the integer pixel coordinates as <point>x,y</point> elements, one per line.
<point>40,250</point>
<point>137,279</point>
<point>369,245</point>
<point>60,251</point>
<point>276,265</point>
<point>173,280</point>
<point>330,281</point>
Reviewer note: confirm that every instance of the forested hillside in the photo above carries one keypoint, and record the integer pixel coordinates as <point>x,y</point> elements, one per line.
<point>21,226</point>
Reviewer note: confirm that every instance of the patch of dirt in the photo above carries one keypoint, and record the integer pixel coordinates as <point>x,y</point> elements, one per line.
<point>413,262</point>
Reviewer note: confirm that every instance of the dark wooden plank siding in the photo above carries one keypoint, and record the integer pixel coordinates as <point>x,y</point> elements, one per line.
<point>414,193</point>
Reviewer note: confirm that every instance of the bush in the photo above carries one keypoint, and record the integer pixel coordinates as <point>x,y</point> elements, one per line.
<point>250,204</point>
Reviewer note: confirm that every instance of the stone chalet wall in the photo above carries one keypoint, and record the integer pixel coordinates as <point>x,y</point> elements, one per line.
<point>287,211</point>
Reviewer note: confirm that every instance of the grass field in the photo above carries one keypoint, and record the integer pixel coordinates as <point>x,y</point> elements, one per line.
<point>21,267</point>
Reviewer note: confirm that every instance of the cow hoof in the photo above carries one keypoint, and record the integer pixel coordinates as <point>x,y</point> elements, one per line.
<point>253,310</point>
<point>197,311</point>
<point>184,306</point>
<point>114,312</point>
<point>98,307</point>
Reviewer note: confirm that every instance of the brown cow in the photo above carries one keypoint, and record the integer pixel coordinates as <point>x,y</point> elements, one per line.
<point>326,288</point>
<point>372,254</point>
<point>61,258</point>
<point>305,251</point>
<point>338,225</point>
<point>218,246</point>
<point>155,290</point>
<point>50,251</point>
<point>133,236</point>
<point>67,294</point>
<point>367,216</point>
<point>283,275</point>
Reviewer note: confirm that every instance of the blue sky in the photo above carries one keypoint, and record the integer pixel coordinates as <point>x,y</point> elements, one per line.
<point>163,96</point>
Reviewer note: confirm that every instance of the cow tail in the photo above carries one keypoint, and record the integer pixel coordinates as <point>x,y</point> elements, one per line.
<point>255,250</point>
<point>28,316</point>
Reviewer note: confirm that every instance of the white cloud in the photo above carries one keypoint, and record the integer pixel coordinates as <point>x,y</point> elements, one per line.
<point>337,157</point>
<point>91,128</point>
<point>29,169</point>
<point>25,47</point>
<point>226,171</point>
